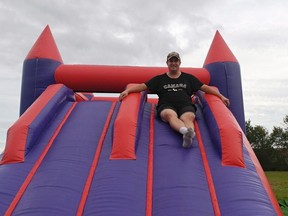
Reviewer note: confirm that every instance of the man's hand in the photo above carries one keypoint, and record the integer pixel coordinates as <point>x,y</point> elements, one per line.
<point>213,90</point>
<point>123,95</point>
<point>225,100</point>
<point>132,89</point>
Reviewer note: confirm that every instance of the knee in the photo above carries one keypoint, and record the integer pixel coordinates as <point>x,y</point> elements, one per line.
<point>166,116</point>
<point>189,116</point>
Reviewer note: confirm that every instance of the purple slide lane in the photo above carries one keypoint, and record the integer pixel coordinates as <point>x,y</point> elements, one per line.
<point>239,190</point>
<point>62,175</point>
<point>119,186</point>
<point>13,175</point>
<point>180,183</point>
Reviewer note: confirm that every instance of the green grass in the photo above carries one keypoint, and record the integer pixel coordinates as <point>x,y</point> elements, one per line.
<point>279,184</point>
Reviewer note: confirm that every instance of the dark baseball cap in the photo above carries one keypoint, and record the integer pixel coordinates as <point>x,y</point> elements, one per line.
<point>173,54</point>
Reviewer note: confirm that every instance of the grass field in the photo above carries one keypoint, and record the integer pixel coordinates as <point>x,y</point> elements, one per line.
<point>279,184</point>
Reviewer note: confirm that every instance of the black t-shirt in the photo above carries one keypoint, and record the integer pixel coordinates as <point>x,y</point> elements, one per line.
<point>174,91</point>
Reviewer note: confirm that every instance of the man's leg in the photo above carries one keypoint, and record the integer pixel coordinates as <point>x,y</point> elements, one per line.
<point>188,119</point>
<point>170,116</point>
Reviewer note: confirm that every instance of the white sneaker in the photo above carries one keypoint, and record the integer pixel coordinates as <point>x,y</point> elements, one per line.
<point>187,138</point>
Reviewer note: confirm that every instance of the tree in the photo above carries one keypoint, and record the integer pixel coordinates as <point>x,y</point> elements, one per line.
<point>258,136</point>
<point>270,149</point>
<point>279,136</point>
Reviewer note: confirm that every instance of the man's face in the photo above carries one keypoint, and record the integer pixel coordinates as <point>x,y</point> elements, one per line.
<point>173,64</point>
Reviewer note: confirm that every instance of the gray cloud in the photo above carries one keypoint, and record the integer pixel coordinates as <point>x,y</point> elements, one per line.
<point>97,32</point>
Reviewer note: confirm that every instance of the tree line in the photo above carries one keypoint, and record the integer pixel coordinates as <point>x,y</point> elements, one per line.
<point>271,149</point>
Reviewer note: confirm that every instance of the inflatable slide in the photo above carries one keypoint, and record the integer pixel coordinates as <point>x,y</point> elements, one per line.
<point>72,152</point>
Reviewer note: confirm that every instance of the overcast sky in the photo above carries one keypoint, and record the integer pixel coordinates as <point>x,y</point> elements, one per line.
<point>133,32</point>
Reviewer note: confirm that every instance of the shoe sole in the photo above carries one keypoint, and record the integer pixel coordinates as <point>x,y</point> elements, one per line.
<point>187,139</point>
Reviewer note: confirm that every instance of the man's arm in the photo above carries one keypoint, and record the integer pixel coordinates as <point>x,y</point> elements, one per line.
<point>210,90</point>
<point>132,89</point>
